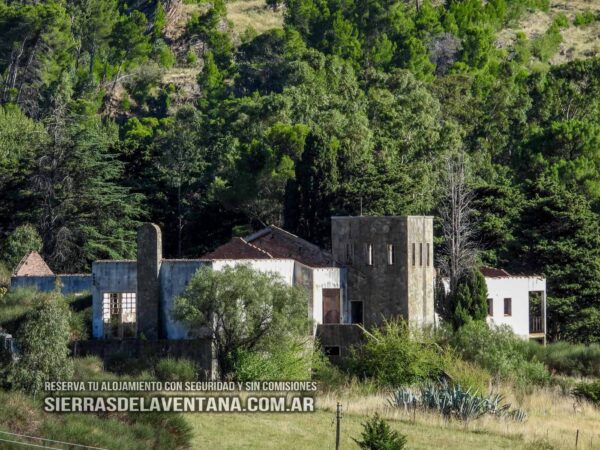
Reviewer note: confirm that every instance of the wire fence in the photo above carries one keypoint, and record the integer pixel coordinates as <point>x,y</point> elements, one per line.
<point>42,442</point>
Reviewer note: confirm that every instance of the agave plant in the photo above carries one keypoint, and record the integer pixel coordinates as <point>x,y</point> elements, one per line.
<point>452,401</point>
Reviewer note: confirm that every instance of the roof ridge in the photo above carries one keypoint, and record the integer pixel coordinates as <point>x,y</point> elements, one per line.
<point>256,248</point>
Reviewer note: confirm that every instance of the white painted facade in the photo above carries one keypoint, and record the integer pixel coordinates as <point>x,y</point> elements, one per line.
<point>517,289</point>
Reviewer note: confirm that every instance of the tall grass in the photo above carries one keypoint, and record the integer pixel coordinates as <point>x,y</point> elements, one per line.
<point>571,359</point>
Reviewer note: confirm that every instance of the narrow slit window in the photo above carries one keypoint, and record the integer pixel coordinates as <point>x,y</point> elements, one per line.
<point>428,254</point>
<point>490,307</point>
<point>390,254</point>
<point>414,254</point>
<point>508,307</point>
<point>369,250</point>
<point>421,254</point>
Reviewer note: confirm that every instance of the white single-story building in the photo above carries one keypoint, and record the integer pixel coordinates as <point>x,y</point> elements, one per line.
<point>518,301</point>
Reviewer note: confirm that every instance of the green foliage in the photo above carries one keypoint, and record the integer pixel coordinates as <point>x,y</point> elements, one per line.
<point>469,301</point>
<point>395,355</point>
<point>378,435</point>
<point>169,369</point>
<point>467,374</point>
<point>21,241</point>
<point>288,359</point>
<point>14,305</point>
<point>454,402</point>
<point>588,391</point>
<point>547,44</point>
<point>43,345</point>
<point>572,359</point>
<point>244,310</point>
<point>504,355</point>
<point>584,18</point>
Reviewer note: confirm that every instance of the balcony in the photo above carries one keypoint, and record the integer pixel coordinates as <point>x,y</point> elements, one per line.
<point>536,325</point>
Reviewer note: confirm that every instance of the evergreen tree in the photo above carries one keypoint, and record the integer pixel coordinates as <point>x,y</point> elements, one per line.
<point>469,300</point>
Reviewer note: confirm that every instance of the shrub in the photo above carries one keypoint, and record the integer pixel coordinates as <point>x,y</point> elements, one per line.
<point>22,240</point>
<point>468,374</point>
<point>326,374</point>
<point>282,360</point>
<point>43,343</point>
<point>452,401</point>
<point>572,359</point>
<point>589,392</point>
<point>395,355</point>
<point>191,58</point>
<point>500,351</point>
<point>169,369</point>
<point>584,18</point>
<point>377,435</point>
<point>547,44</point>
<point>14,305</point>
<point>561,21</point>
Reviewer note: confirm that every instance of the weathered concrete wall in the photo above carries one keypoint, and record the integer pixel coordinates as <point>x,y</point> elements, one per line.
<point>420,270</point>
<point>174,277</point>
<point>149,258</point>
<point>303,276</point>
<point>344,336</point>
<point>198,350</point>
<point>70,284</point>
<point>282,267</point>
<point>110,276</point>
<point>387,288</point>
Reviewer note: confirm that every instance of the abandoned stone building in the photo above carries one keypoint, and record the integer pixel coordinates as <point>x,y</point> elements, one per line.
<point>378,268</point>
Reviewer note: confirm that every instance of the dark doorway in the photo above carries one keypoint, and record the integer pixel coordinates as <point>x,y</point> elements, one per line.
<point>356,312</point>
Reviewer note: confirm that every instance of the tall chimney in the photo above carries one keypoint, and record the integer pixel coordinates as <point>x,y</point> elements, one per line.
<point>149,257</point>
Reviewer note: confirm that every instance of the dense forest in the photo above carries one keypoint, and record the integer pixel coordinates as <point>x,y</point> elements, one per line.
<point>353,106</point>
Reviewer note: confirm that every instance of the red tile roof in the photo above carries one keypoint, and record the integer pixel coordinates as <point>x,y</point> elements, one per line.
<point>237,248</point>
<point>32,265</point>
<point>273,242</point>
<point>282,244</point>
<point>491,272</point>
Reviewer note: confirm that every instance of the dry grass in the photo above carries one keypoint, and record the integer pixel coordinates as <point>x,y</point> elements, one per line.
<point>255,14</point>
<point>552,416</point>
<point>578,41</point>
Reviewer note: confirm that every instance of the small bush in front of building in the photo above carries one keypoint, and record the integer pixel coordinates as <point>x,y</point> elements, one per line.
<point>572,359</point>
<point>170,369</point>
<point>589,392</point>
<point>43,340</point>
<point>397,355</point>
<point>497,349</point>
<point>378,435</point>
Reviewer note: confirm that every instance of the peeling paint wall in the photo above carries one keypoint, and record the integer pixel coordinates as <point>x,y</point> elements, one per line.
<point>110,276</point>
<point>174,277</point>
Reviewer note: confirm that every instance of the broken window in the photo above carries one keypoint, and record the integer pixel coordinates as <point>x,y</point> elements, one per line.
<point>490,307</point>
<point>421,254</point>
<point>119,315</point>
<point>414,254</point>
<point>369,255</point>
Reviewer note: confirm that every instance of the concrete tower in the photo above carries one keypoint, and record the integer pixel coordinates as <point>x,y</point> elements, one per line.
<point>390,267</point>
<point>149,259</point>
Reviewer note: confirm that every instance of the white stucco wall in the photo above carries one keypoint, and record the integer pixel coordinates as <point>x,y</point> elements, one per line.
<point>327,278</point>
<point>517,289</point>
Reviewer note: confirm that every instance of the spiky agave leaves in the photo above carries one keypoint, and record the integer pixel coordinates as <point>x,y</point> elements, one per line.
<point>454,402</point>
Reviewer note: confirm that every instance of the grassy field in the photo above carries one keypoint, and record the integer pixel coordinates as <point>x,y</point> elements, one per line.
<point>253,13</point>
<point>553,423</point>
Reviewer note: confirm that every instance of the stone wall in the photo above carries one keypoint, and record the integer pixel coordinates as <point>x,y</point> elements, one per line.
<point>387,285</point>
